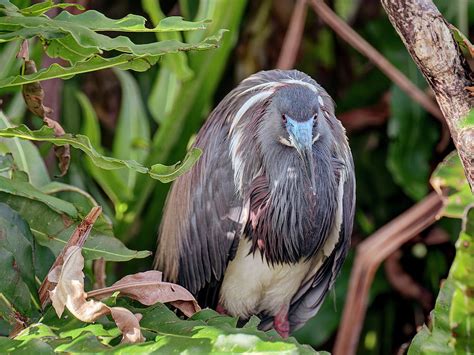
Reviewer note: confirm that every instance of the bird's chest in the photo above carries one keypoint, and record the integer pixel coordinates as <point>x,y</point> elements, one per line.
<point>251,285</point>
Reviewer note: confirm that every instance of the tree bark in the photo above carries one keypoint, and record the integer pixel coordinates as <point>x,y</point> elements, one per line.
<point>430,43</point>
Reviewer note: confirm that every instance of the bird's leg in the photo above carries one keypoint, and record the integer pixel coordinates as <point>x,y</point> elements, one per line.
<point>221,310</point>
<point>281,323</point>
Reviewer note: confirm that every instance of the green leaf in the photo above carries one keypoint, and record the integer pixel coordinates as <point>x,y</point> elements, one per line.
<point>468,122</point>
<point>436,340</point>
<point>53,227</point>
<point>132,133</point>
<point>42,7</point>
<point>81,200</point>
<point>160,172</point>
<point>97,21</point>
<point>25,189</point>
<point>206,332</point>
<point>26,156</point>
<point>168,173</point>
<point>148,57</point>
<point>453,317</point>
<point>449,181</point>
<point>109,180</point>
<point>18,263</point>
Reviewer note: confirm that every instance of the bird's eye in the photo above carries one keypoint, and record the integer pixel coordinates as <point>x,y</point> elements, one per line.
<point>283,117</point>
<point>315,121</point>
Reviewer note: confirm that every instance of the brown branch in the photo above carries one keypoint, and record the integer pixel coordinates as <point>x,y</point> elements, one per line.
<point>292,41</point>
<point>361,45</point>
<point>430,43</point>
<point>371,116</point>
<point>369,255</point>
<point>404,283</point>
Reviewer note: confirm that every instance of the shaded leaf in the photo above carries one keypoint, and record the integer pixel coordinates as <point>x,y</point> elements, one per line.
<point>18,264</point>
<point>60,226</point>
<point>132,132</point>
<point>26,156</point>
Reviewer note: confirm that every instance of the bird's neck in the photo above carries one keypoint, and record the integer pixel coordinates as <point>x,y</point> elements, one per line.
<point>289,218</point>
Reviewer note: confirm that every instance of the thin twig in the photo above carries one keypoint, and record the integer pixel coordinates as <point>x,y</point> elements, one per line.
<point>292,41</point>
<point>369,255</point>
<point>360,44</point>
<point>78,238</point>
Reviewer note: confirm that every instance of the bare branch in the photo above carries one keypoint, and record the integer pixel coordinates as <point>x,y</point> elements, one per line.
<point>370,254</point>
<point>293,36</point>
<point>364,47</point>
<point>429,41</point>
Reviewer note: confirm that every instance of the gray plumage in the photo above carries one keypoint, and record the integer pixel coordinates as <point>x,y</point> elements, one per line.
<point>293,206</point>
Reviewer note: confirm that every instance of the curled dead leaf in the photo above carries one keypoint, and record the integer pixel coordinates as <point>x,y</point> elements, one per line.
<point>33,95</point>
<point>69,293</point>
<point>128,323</point>
<point>78,238</point>
<point>148,289</point>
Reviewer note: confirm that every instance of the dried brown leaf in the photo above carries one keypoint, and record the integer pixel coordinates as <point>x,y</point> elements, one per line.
<point>69,293</point>
<point>78,238</point>
<point>148,289</point>
<point>33,95</point>
<point>24,52</point>
<point>128,323</point>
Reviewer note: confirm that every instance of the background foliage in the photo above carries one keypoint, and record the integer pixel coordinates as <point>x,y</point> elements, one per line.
<point>149,116</point>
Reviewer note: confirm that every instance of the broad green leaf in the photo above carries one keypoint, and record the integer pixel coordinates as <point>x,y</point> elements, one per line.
<point>150,55</point>
<point>53,229</point>
<point>450,331</point>
<point>206,332</point>
<point>449,181</point>
<point>109,180</point>
<point>25,189</point>
<point>173,70</point>
<point>132,133</point>
<point>17,262</point>
<point>81,200</point>
<point>26,156</point>
<point>461,314</point>
<point>33,346</point>
<point>436,338</point>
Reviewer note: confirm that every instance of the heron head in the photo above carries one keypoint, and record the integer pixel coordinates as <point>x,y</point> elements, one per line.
<point>300,121</point>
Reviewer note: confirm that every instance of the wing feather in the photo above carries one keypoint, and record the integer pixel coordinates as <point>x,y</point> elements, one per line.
<point>197,234</point>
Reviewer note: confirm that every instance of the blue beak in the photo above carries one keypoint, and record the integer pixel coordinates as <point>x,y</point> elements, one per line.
<point>301,135</point>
